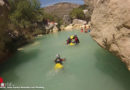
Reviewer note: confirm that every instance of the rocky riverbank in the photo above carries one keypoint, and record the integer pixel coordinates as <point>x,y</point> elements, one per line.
<point>76,24</point>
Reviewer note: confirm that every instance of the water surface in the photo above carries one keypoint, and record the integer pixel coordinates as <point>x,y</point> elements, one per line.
<point>87,65</point>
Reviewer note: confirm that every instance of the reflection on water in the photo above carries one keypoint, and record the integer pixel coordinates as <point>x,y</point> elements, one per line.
<point>87,66</point>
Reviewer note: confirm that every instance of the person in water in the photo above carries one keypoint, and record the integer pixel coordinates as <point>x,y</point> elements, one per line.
<point>82,29</point>
<point>58,59</point>
<point>68,40</point>
<point>76,39</point>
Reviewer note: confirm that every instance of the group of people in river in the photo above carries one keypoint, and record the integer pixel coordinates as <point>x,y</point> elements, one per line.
<point>85,28</point>
<point>73,39</point>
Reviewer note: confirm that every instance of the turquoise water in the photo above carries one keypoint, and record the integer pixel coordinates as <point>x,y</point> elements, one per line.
<point>87,65</point>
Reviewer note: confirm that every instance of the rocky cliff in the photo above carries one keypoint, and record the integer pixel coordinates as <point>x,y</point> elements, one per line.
<point>110,23</point>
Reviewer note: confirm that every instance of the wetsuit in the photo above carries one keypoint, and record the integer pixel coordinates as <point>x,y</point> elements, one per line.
<point>58,60</point>
<point>76,40</point>
<point>68,41</point>
<point>81,30</point>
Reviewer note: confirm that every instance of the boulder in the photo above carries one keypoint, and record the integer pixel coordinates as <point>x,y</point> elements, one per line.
<point>77,26</point>
<point>55,29</point>
<point>85,11</point>
<point>62,27</point>
<point>78,21</point>
<point>69,27</point>
<point>66,20</point>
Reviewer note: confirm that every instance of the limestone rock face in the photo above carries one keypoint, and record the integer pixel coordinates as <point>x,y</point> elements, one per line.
<point>76,25</point>
<point>62,27</point>
<point>69,27</point>
<point>110,23</point>
<point>55,29</point>
<point>78,21</point>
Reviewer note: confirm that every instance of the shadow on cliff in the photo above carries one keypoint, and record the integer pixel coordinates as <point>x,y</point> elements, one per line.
<point>112,66</point>
<point>16,60</point>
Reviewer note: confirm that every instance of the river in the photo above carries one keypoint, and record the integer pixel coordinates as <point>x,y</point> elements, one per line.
<point>87,65</point>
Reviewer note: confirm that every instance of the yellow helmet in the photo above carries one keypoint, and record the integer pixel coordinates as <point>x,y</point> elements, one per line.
<point>71,37</point>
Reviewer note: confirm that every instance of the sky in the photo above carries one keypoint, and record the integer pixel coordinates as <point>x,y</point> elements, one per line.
<point>45,3</point>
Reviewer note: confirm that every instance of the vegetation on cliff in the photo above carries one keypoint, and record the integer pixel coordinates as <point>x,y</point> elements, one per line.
<point>23,18</point>
<point>77,13</point>
<point>83,12</point>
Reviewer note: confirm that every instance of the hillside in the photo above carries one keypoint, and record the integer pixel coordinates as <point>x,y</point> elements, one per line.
<point>60,9</point>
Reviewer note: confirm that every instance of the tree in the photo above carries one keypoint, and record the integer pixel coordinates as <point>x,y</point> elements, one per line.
<point>77,13</point>
<point>24,12</point>
<point>83,6</point>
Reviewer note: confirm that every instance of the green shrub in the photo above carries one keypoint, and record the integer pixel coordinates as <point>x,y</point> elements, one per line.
<point>77,13</point>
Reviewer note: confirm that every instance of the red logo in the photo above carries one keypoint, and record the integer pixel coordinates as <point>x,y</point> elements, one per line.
<point>2,84</point>
<point>1,80</point>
